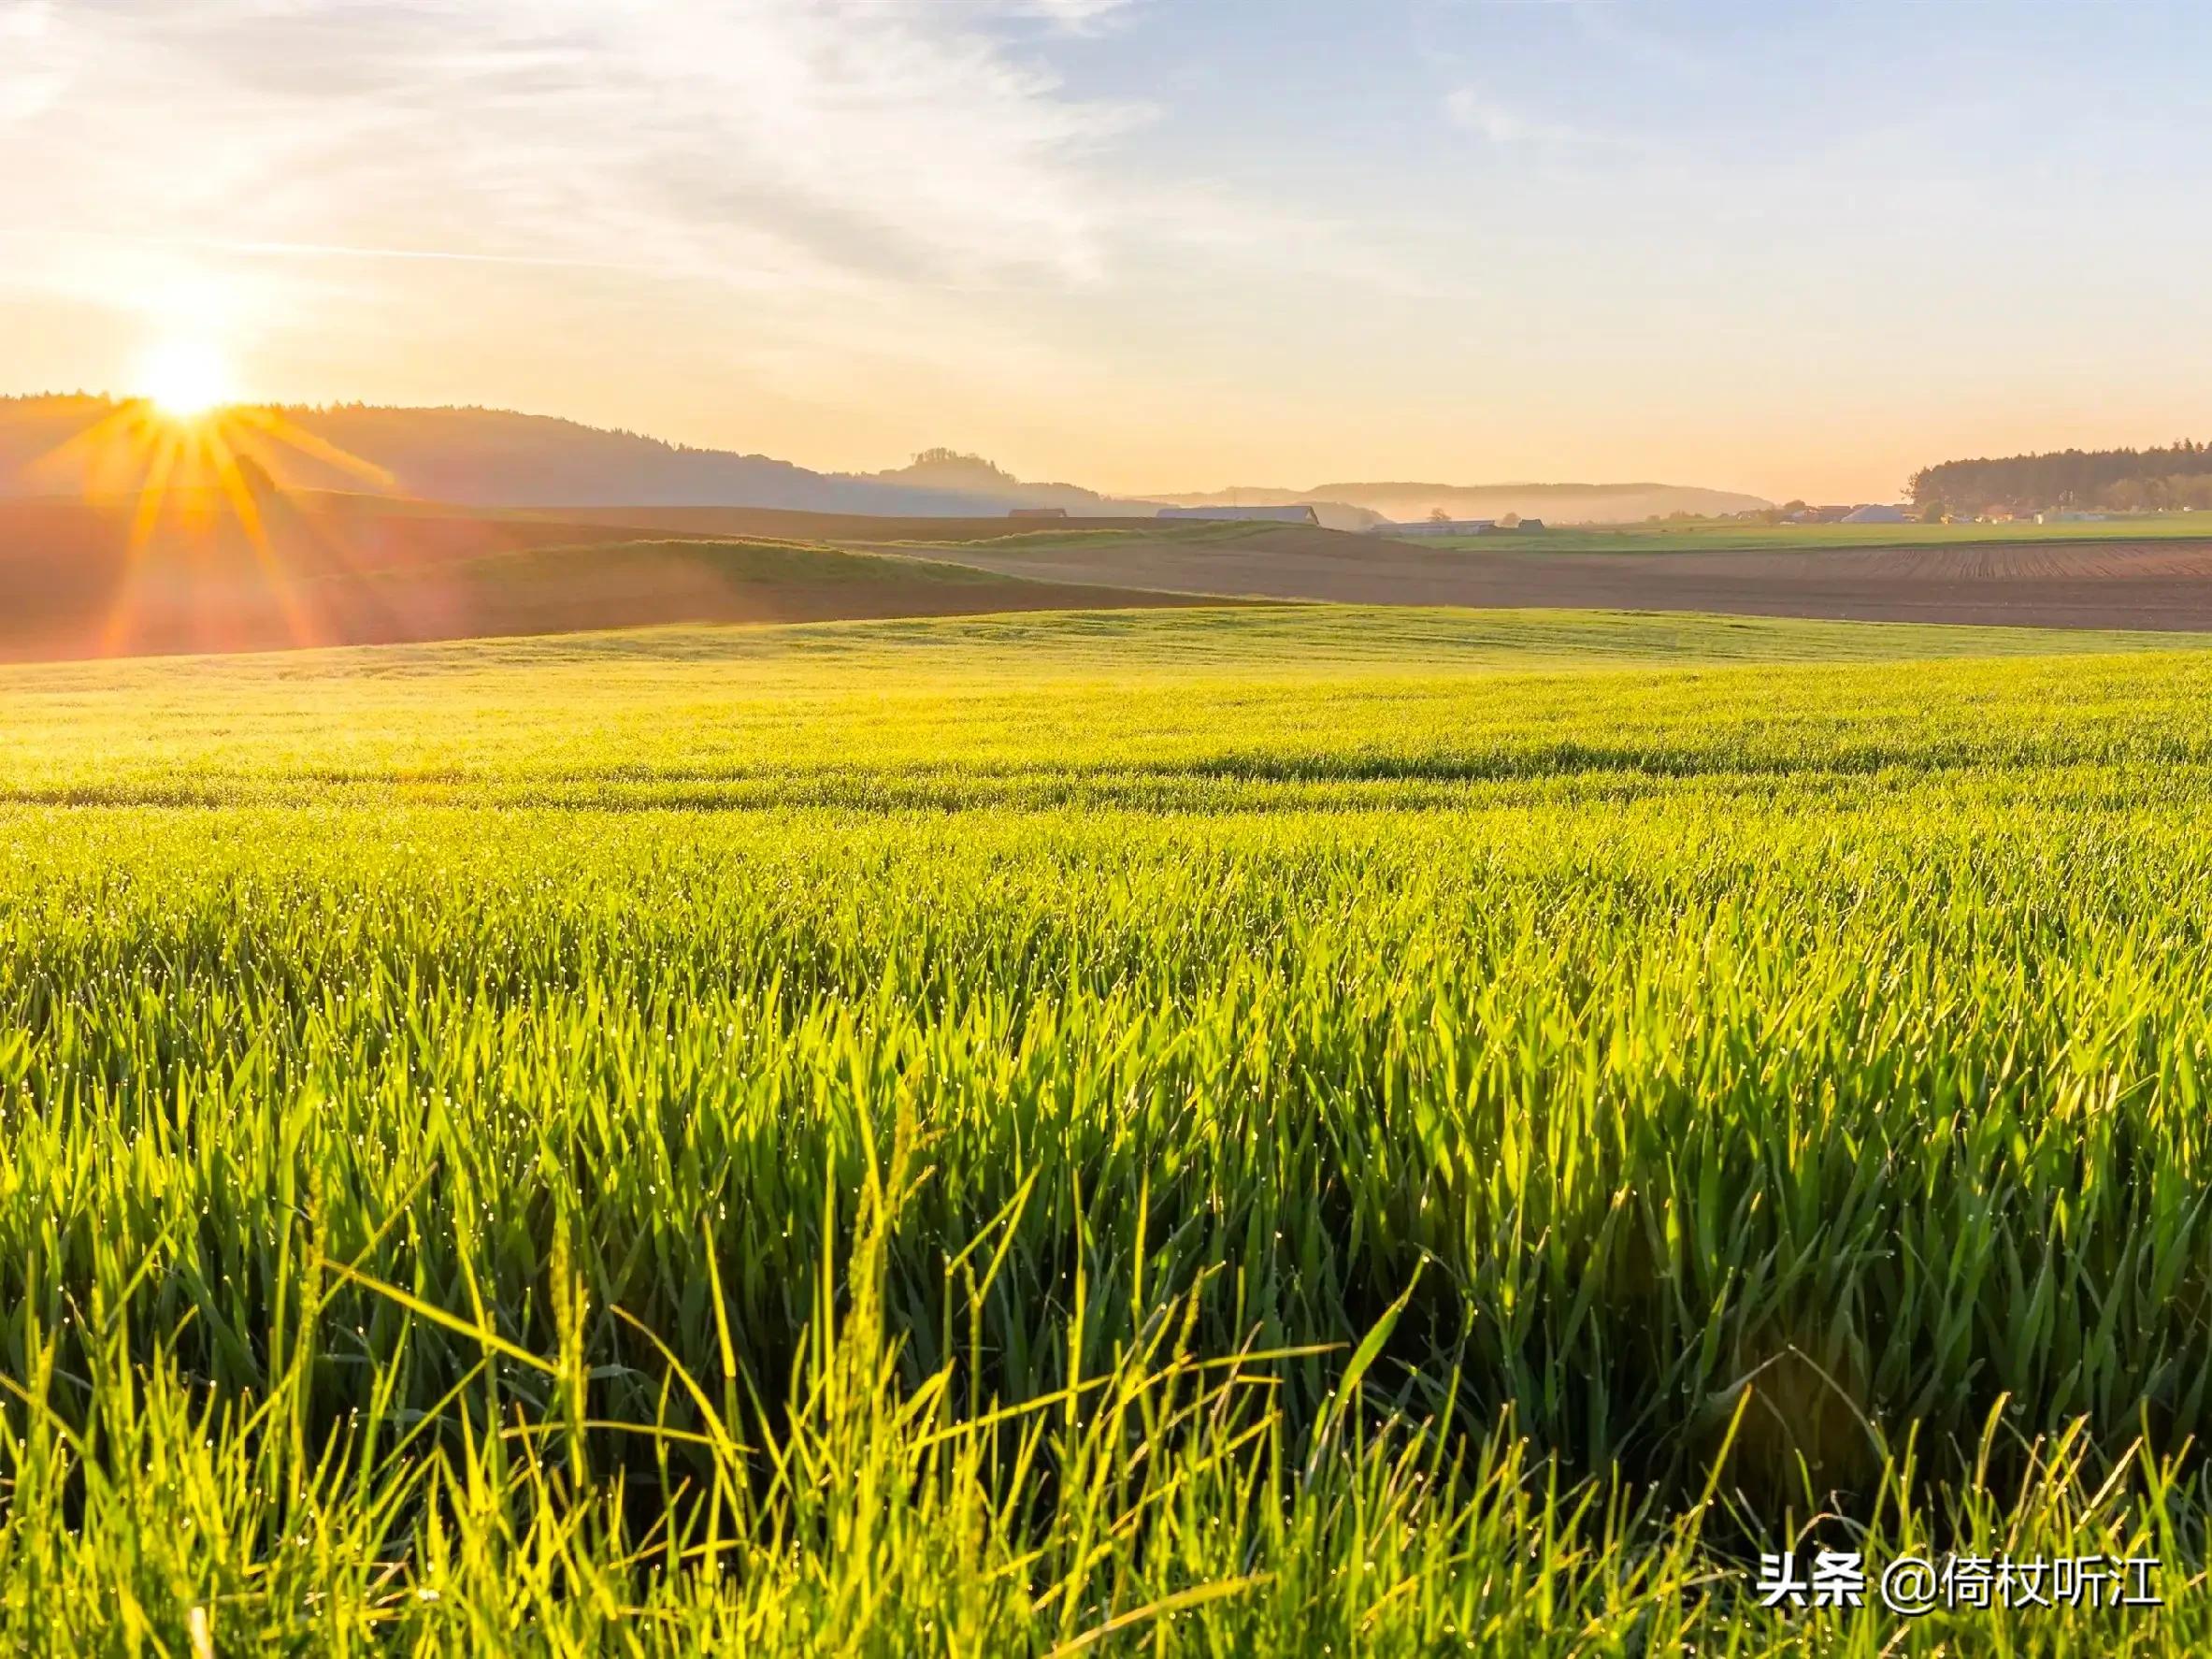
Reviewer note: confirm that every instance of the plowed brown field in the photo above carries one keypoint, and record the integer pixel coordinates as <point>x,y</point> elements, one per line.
<point>2154,584</point>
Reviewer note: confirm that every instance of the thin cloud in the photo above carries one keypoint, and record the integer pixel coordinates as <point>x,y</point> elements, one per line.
<point>1476,111</point>
<point>30,80</point>
<point>1610,27</point>
<point>822,134</point>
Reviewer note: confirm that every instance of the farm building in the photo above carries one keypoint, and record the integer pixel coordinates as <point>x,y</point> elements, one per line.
<point>1037,513</point>
<point>1273,516</point>
<point>1877,513</point>
<point>1438,527</point>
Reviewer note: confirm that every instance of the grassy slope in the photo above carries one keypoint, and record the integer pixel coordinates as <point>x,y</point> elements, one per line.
<point>975,708</point>
<point>1820,1039</point>
<point>642,584</point>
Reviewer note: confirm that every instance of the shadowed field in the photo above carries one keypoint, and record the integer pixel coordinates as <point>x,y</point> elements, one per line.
<point>788,525</point>
<point>2063,576</point>
<point>105,578</point>
<point>1710,536</point>
<point>98,578</point>
<point>2051,583</point>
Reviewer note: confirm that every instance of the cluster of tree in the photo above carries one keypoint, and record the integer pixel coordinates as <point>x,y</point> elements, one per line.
<point>942,459</point>
<point>2115,480</point>
<point>1763,515</point>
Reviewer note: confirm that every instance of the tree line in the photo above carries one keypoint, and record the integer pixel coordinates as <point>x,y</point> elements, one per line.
<point>2112,480</point>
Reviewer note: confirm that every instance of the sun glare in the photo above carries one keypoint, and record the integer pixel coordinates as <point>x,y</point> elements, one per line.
<point>185,379</point>
<point>194,458</point>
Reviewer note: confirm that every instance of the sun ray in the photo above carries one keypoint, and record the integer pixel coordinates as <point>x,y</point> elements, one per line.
<point>145,520</point>
<point>231,481</point>
<point>121,431</point>
<point>183,473</point>
<point>274,424</point>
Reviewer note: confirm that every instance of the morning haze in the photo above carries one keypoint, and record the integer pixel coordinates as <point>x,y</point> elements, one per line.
<point>1789,252</point>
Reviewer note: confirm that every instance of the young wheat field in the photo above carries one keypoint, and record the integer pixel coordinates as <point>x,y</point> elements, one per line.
<point>1287,1130</point>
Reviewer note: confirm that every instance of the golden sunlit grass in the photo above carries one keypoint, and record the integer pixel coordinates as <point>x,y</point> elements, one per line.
<point>983,1139</point>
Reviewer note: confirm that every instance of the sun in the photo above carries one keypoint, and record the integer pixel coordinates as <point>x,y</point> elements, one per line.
<point>185,379</point>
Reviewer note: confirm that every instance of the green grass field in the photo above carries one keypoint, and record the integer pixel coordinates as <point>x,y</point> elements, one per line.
<point>1281,1130</point>
<point>1726,536</point>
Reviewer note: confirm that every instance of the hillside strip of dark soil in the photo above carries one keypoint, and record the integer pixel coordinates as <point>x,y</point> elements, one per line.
<point>2141,585</point>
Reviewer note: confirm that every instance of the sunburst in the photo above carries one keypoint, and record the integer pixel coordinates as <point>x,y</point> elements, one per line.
<point>180,437</point>
<point>186,379</point>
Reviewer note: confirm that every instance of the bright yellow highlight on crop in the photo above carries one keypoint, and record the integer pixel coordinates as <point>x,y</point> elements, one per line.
<point>1271,1130</point>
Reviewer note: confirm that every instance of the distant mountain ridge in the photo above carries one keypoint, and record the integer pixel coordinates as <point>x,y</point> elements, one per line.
<point>487,458</point>
<point>948,473</point>
<point>1555,503</point>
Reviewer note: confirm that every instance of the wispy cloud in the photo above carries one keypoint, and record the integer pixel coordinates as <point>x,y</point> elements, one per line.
<point>30,80</point>
<point>1617,29</point>
<point>1477,111</point>
<point>833,136</point>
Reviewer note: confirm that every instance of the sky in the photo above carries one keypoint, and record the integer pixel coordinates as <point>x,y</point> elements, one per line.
<point>1798,250</point>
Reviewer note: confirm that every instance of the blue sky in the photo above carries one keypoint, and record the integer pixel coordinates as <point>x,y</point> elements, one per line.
<point>1793,249</point>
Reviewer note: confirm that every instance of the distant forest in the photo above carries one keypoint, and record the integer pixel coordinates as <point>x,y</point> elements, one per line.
<point>2117,480</point>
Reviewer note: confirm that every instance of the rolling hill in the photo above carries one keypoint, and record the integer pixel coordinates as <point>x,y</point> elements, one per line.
<point>91,578</point>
